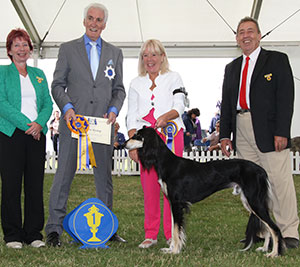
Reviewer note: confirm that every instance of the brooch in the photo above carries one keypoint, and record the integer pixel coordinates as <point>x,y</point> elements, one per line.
<point>39,79</point>
<point>268,77</point>
<point>110,72</point>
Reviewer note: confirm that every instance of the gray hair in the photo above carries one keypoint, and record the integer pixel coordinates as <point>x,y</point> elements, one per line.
<point>99,6</point>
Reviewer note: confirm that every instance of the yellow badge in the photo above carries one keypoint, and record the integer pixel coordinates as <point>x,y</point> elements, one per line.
<point>268,77</point>
<point>39,79</point>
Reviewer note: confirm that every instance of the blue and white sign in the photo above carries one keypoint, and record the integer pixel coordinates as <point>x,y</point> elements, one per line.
<point>91,223</point>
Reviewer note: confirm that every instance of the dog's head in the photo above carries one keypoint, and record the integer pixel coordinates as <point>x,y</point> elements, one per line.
<point>148,143</point>
<point>136,141</point>
<point>141,138</point>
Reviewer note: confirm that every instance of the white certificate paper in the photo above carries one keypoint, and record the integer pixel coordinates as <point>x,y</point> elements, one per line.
<point>99,130</point>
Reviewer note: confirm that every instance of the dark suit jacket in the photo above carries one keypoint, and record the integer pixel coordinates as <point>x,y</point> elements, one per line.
<point>271,99</point>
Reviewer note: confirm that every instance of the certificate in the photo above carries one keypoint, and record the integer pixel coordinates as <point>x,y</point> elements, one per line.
<point>99,131</point>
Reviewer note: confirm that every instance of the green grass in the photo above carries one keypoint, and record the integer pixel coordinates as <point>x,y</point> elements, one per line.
<point>214,228</point>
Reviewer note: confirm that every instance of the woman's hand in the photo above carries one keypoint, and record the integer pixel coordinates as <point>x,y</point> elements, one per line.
<point>34,130</point>
<point>161,121</point>
<point>134,155</point>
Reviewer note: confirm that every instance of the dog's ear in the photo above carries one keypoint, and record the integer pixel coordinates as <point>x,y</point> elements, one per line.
<point>151,146</point>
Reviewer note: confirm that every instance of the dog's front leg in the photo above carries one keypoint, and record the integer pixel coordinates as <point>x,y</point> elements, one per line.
<point>176,243</point>
<point>178,235</point>
<point>170,248</point>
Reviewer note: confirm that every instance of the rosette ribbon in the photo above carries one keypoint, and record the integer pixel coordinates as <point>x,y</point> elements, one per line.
<point>85,153</point>
<point>170,131</point>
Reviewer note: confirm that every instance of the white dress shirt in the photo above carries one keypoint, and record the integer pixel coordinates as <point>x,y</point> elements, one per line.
<point>253,58</point>
<point>141,99</point>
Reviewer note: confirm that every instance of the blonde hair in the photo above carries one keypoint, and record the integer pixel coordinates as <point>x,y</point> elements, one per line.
<point>157,47</point>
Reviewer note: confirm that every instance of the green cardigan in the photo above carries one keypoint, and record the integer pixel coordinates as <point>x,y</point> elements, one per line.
<point>10,99</point>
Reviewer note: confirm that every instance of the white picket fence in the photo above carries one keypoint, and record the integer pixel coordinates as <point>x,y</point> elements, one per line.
<point>123,165</point>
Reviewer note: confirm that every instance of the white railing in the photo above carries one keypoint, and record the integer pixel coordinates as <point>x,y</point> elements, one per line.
<point>123,165</point>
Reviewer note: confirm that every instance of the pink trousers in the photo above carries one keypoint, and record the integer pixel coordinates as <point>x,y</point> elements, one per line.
<point>151,190</point>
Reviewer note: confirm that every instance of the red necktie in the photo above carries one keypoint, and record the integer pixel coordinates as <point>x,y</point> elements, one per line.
<point>243,102</point>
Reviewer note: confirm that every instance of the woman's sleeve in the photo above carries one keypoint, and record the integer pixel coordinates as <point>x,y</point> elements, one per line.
<point>131,118</point>
<point>8,111</point>
<point>178,98</point>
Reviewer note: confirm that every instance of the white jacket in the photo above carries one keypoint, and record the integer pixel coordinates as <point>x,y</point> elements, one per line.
<point>140,103</point>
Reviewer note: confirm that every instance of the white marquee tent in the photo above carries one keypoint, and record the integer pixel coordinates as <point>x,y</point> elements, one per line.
<point>189,28</point>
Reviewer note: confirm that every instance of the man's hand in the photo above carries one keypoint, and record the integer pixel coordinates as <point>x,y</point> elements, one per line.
<point>226,146</point>
<point>70,114</point>
<point>112,117</point>
<point>280,143</point>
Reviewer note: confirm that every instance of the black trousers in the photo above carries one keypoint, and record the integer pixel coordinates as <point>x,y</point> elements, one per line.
<point>55,140</point>
<point>22,156</point>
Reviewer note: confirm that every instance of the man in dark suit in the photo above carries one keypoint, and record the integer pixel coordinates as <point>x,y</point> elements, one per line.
<point>80,87</point>
<point>257,108</point>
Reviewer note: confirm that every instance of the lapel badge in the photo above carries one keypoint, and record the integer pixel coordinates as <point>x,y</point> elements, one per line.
<point>110,71</point>
<point>39,79</point>
<point>268,77</point>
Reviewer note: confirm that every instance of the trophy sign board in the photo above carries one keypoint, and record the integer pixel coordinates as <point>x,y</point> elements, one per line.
<point>91,224</point>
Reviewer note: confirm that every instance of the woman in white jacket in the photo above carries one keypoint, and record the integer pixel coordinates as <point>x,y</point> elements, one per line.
<point>156,99</point>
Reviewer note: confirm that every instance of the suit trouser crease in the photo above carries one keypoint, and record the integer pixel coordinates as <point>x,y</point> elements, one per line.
<point>67,164</point>
<point>278,168</point>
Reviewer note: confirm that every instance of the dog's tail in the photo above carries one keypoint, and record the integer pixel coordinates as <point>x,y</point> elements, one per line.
<point>257,194</point>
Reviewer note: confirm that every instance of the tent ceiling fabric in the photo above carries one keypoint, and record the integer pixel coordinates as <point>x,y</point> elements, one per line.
<point>177,23</point>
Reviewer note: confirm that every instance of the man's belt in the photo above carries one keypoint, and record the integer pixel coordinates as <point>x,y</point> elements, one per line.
<point>242,111</point>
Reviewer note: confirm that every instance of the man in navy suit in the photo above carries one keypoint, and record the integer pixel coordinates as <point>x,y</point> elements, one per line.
<point>261,123</point>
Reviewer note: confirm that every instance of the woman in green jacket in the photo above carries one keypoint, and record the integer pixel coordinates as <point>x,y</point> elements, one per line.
<point>25,108</point>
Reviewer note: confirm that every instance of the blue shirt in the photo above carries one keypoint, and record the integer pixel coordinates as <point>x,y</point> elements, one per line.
<point>87,41</point>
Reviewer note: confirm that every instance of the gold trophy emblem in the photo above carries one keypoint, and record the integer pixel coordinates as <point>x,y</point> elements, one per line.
<point>93,220</point>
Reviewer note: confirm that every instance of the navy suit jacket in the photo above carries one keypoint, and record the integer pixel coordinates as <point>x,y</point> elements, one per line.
<point>271,99</point>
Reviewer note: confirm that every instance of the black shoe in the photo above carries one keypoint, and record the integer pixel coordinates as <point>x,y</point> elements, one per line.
<point>291,242</point>
<point>53,239</point>
<point>117,238</point>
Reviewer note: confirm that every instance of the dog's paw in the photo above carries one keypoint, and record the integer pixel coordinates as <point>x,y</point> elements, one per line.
<point>166,250</point>
<point>263,249</point>
<point>272,255</point>
<point>170,250</point>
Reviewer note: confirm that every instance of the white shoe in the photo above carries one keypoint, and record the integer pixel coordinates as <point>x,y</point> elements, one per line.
<point>37,244</point>
<point>14,244</point>
<point>147,243</point>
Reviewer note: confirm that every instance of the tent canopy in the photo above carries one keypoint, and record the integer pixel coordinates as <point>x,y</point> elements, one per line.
<point>181,25</point>
<point>189,28</point>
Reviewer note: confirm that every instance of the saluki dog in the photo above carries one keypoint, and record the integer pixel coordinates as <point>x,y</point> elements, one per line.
<point>185,182</point>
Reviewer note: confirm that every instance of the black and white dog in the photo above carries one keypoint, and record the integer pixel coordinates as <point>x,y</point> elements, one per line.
<point>185,182</point>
